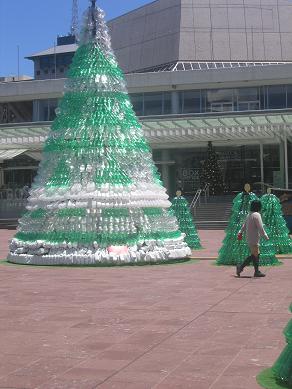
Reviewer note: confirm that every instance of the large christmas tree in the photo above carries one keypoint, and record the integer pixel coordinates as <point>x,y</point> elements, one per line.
<point>211,173</point>
<point>273,217</point>
<point>280,376</point>
<point>180,209</point>
<point>97,197</point>
<point>234,251</point>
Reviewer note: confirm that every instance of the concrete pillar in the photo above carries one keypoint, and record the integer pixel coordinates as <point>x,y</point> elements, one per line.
<point>175,102</point>
<point>165,169</point>
<point>35,111</point>
<point>262,164</point>
<point>282,163</point>
<point>286,174</point>
<point>1,177</point>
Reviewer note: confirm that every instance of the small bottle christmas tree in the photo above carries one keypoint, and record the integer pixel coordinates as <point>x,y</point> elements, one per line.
<point>234,251</point>
<point>211,173</point>
<point>273,217</point>
<point>180,209</point>
<point>280,375</point>
<point>97,197</point>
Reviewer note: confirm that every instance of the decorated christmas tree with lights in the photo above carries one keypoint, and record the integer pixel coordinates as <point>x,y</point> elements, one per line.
<point>180,209</point>
<point>211,173</point>
<point>280,375</point>
<point>234,251</point>
<point>273,217</point>
<point>97,197</point>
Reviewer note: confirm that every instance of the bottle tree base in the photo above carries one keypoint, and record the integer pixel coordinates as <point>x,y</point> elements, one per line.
<point>147,252</point>
<point>268,380</point>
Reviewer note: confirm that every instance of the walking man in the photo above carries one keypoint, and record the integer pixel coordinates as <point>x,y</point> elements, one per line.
<point>254,230</point>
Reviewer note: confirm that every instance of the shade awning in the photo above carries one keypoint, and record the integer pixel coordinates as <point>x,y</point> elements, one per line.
<point>37,155</point>
<point>11,153</point>
<point>181,130</point>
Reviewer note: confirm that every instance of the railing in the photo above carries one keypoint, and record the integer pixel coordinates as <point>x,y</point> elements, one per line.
<point>206,191</point>
<point>264,186</point>
<point>197,198</point>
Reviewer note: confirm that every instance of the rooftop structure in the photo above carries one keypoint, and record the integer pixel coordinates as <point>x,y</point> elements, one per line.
<point>168,31</point>
<point>197,71</point>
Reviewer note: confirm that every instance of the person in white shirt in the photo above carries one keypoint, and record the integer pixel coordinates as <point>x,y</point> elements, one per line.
<point>254,230</point>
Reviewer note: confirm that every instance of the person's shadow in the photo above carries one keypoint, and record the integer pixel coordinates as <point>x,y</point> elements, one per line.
<point>235,276</point>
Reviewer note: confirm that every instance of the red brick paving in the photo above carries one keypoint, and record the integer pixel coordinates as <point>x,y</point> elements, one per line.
<point>191,325</point>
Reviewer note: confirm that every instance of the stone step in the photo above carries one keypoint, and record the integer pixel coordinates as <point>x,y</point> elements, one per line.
<point>8,224</point>
<point>212,225</point>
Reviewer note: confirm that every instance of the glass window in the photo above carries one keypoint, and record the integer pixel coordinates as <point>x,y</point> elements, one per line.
<point>289,96</point>
<point>277,97</point>
<point>222,107</point>
<point>46,61</point>
<point>153,104</point>
<point>188,66</point>
<point>247,94</point>
<point>166,103</point>
<point>137,101</point>
<point>16,112</point>
<point>211,65</point>
<point>289,145</point>
<point>272,174</point>
<point>218,100</point>
<point>47,109</point>
<point>263,97</point>
<point>64,59</point>
<point>247,99</point>
<point>53,104</point>
<point>192,101</point>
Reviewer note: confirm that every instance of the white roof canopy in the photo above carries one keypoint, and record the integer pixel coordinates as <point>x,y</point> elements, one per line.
<point>11,153</point>
<point>174,130</point>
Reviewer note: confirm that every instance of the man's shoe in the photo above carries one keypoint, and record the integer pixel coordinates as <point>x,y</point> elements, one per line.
<point>238,270</point>
<point>259,274</point>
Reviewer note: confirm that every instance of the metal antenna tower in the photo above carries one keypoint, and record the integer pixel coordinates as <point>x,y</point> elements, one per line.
<point>74,22</point>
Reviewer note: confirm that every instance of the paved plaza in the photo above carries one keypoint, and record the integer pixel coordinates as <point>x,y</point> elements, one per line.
<point>189,325</point>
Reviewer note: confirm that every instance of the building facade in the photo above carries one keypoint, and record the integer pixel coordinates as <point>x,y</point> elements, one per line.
<point>196,73</point>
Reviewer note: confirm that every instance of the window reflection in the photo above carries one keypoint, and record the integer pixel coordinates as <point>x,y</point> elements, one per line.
<point>192,102</point>
<point>214,100</point>
<point>277,97</point>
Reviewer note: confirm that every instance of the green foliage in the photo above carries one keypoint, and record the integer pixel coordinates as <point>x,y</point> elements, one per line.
<point>112,174</point>
<point>61,176</point>
<point>283,366</point>
<point>233,251</point>
<point>180,208</point>
<point>115,212</point>
<point>152,211</point>
<point>72,212</point>
<point>96,153</point>
<point>103,239</point>
<point>37,214</point>
<point>211,173</point>
<point>273,217</point>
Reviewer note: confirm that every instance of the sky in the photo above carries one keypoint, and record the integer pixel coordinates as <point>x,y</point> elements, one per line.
<point>33,25</point>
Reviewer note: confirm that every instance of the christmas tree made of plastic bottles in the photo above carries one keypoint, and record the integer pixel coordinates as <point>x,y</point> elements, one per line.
<point>273,217</point>
<point>280,375</point>
<point>234,251</point>
<point>97,197</point>
<point>180,209</point>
